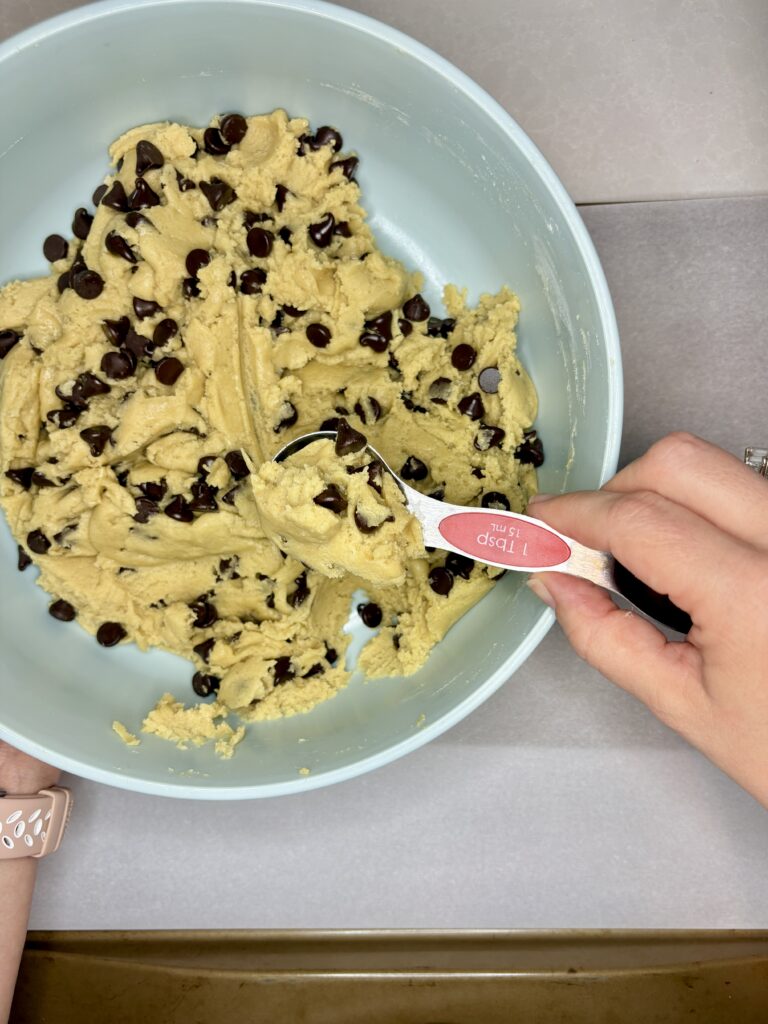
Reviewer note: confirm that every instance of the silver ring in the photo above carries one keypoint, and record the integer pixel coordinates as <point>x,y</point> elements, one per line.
<point>757,459</point>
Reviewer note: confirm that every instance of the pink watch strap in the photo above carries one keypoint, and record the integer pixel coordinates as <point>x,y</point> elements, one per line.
<point>32,826</point>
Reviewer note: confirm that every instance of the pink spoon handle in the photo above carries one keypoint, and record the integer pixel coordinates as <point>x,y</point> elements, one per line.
<point>505,539</point>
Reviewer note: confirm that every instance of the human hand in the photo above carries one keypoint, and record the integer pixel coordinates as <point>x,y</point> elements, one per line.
<point>691,521</point>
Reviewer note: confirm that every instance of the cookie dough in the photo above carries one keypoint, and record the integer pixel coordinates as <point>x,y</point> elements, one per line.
<point>338,513</point>
<point>225,296</point>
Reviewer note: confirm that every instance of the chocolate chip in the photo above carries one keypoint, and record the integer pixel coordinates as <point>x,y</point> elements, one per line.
<point>414,469</point>
<point>204,685</point>
<point>318,334</point>
<point>332,423</point>
<point>405,327</point>
<point>116,330</point>
<point>185,184</point>
<point>332,499</point>
<point>204,464</point>
<point>531,451</point>
<point>293,311</point>
<point>437,328</point>
<point>215,143</point>
<point>145,509</point>
<point>87,385</point>
<point>368,410</point>
<point>459,565</point>
<point>23,561</point>
<point>259,242</point>
<point>8,339</point>
<point>154,489</point>
<point>148,157</point>
<point>64,418</point>
<point>439,390</point>
<point>250,218</point>
<point>205,613</point>
<point>285,234</point>
<point>252,280</point>
<point>168,370</point>
<point>196,260</point>
<point>118,365</point>
<point>463,357</point>
<point>376,476</point>
<point>289,417</point>
<point>118,246</point>
<point>98,194</point>
<point>38,542</point>
<point>321,233</point>
<point>203,497</point>
<point>203,650</point>
<point>87,283</point>
<point>365,527</point>
<point>348,440</point>
<point>164,331</point>
<point>55,248</point>
<point>233,128</point>
<point>489,437</point>
<point>441,581</point>
<point>472,406</point>
<point>40,480</point>
<point>62,610</point>
<point>115,198</point>
<point>489,379</point>
<point>121,476</point>
<point>229,497</point>
<point>178,509</point>
<point>374,341</point>
<point>96,438</point>
<point>495,499</point>
<point>283,670</point>
<point>343,229</point>
<point>22,477</point>
<point>145,308</point>
<point>316,670</point>
<point>416,308</point>
<point>348,167</point>
<point>371,614</point>
<point>64,282</point>
<point>110,633</point>
<point>136,344</point>
<point>218,193</point>
<point>133,220</point>
<point>190,288</point>
<point>301,593</point>
<point>236,464</point>
<point>142,196</point>
<point>327,136</point>
<point>281,193</point>
<point>381,324</point>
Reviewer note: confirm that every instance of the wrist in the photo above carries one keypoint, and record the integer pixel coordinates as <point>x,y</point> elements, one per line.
<point>20,773</point>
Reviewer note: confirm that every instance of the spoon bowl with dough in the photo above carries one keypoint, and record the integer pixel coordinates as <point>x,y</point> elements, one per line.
<point>511,540</point>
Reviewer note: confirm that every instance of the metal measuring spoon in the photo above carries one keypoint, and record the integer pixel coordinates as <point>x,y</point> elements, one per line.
<point>510,540</point>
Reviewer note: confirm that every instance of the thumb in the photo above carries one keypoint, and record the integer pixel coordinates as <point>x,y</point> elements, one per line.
<point>624,646</point>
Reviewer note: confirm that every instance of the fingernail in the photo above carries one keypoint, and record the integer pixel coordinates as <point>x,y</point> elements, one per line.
<point>537,499</point>
<point>541,592</point>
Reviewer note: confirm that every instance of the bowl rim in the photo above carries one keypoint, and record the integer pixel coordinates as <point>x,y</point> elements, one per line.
<point>614,416</point>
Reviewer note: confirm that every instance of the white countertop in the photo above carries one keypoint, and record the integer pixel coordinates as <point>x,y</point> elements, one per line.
<point>560,802</point>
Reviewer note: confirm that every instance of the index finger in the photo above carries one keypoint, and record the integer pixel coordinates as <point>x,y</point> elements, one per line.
<point>670,548</point>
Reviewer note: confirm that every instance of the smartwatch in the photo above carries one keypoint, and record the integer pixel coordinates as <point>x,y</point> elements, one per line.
<point>33,825</point>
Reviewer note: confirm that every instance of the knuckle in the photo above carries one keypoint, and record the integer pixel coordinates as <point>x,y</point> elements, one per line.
<point>676,449</point>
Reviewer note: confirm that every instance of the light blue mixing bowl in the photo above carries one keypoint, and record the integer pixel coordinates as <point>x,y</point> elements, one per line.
<point>453,186</point>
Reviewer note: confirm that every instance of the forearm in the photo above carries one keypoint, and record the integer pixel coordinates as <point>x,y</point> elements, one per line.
<point>19,774</point>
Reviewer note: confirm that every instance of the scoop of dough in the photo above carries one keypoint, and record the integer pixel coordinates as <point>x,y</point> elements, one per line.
<point>338,514</point>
